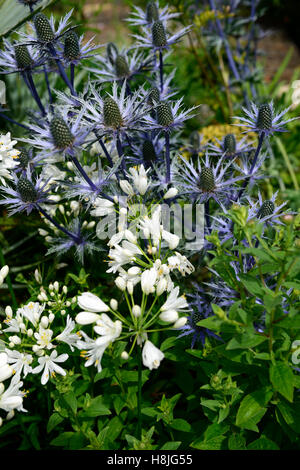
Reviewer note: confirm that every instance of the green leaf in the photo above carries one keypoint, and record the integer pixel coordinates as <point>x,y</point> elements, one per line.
<point>213,438</point>
<point>11,16</point>
<point>252,408</point>
<point>236,442</point>
<point>263,443</point>
<point>252,284</point>
<point>180,425</point>
<point>63,439</point>
<point>245,341</point>
<point>70,399</point>
<point>54,421</point>
<point>96,408</point>
<point>282,378</point>
<point>290,414</point>
<point>171,445</point>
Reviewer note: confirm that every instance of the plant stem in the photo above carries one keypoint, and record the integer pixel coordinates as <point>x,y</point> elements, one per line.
<point>59,227</point>
<point>139,397</point>
<point>168,162</point>
<point>161,71</point>
<point>34,92</point>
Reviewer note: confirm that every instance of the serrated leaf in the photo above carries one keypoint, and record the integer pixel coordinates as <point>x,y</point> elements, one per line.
<point>252,408</point>
<point>180,425</point>
<point>245,341</point>
<point>282,378</point>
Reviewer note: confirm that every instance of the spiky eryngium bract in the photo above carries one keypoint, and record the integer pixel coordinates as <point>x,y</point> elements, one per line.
<point>267,208</point>
<point>71,46</point>
<point>22,56</point>
<point>43,28</point>
<point>26,190</point>
<point>264,118</point>
<point>229,144</point>
<point>159,37</point>
<point>61,133</point>
<point>207,179</point>
<point>111,113</point>
<point>164,114</point>
<point>121,66</point>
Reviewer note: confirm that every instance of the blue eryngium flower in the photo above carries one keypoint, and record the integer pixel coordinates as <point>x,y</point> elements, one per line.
<point>263,119</point>
<point>77,239</point>
<point>18,58</point>
<point>205,180</point>
<point>27,195</point>
<point>152,13</point>
<point>201,309</point>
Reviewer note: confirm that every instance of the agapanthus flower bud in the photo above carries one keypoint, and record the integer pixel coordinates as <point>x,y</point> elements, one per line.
<point>148,280</point>
<point>92,303</point>
<point>148,150</point>
<point>23,57</point>
<point>61,133</point>
<point>229,144</point>
<point>87,318</point>
<point>43,28</point>
<point>125,355</point>
<point>180,323</point>
<point>169,316</point>
<point>152,13</point>
<point>152,356</point>
<point>207,179</point>
<point>113,304</point>
<point>264,117</point>
<point>26,190</point>
<point>136,311</point>
<point>159,38</point>
<point>121,66</point>
<point>164,114</point>
<point>111,113</point>
<point>172,192</point>
<point>267,208</point>
<point>71,46</point>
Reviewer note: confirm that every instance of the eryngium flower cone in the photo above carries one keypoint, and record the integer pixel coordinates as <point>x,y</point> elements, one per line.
<point>26,190</point>
<point>264,118</point>
<point>154,96</point>
<point>266,209</point>
<point>43,28</point>
<point>71,46</point>
<point>22,56</point>
<point>164,114</point>
<point>111,113</point>
<point>207,180</point>
<point>149,153</point>
<point>151,12</point>
<point>61,133</point>
<point>229,144</point>
<point>23,158</point>
<point>159,38</point>
<point>121,66</point>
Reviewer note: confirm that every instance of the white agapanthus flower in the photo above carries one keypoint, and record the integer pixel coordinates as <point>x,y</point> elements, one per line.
<point>67,336</point>
<point>6,370</point>
<point>92,350</point>
<point>108,329</point>
<point>174,302</point>
<point>152,356</point>
<point>49,366</point>
<point>138,176</point>
<point>20,362</point>
<point>12,398</point>
<point>8,155</point>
